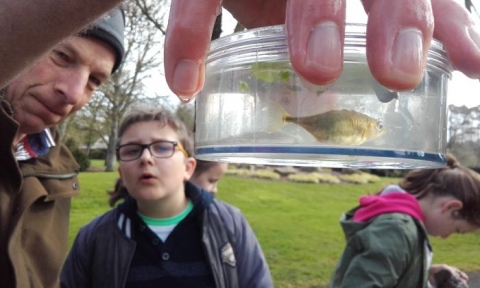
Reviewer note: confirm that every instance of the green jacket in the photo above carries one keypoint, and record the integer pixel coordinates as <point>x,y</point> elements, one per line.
<point>34,211</point>
<point>390,250</point>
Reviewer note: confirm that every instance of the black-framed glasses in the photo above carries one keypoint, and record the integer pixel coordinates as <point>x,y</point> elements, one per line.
<point>158,149</point>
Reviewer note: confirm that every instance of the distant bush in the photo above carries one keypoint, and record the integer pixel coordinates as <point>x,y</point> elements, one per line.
<point>238,172</point>
<point>372,178</point>
<point>100,154</point>
<point>82,159</point>
<point>398,173</point>
<point>359,178</point>
<point>327,178</point>
<point>71,144</point>
<point>266,174</point>
<point>303,178</point>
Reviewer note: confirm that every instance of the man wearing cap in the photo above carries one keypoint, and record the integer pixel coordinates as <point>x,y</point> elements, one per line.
<point>38,175</point>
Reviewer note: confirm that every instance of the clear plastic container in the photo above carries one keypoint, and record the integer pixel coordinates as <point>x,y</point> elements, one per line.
<point>255,109</point>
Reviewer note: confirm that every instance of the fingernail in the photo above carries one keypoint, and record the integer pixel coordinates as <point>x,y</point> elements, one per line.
<point>324,47</point>
<point>185,77</point>
<point>185,100</point>
<point>407,54</point>
<point>475,36</point>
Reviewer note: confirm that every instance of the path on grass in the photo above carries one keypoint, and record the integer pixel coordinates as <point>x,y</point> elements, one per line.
<point>474,281</point>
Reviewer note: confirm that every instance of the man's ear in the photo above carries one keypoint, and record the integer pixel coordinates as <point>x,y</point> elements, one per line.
<point>190,164</point>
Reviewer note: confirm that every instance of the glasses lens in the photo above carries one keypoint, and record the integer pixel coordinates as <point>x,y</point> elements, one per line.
<point>162,149</point>
<point>129,152</point>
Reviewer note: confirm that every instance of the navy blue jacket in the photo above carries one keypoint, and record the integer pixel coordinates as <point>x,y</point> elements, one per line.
<point>103,249</point>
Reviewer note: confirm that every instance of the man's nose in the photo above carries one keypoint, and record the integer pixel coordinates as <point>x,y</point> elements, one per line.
<point>72,85</point>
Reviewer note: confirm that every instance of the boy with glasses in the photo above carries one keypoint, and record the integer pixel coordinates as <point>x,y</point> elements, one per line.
<point>168,232</point>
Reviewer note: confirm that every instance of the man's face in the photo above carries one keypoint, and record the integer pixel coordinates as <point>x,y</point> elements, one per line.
<point>60,83</point>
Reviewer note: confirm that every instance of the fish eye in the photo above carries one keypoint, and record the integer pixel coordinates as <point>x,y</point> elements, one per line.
<point>380,126</point>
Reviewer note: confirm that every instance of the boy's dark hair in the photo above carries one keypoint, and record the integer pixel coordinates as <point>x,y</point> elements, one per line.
<point>452,180</point>
<point>118,193</point>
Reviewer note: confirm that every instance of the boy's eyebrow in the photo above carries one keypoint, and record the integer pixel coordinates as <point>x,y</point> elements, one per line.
<point>153,141</point>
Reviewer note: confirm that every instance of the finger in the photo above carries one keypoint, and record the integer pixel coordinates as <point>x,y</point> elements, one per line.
<point>315,34</point>
<point>463,275</point>
<point>459,34</point>
<point>398,37</point>
<point>367,4</point>
<point>187,40</point>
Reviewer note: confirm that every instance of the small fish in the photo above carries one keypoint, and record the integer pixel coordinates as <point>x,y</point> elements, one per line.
<point>339,127</point>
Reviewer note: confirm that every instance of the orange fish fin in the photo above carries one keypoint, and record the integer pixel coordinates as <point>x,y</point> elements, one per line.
<point>321,137</point>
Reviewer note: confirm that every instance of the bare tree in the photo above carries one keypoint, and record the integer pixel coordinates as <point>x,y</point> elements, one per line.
<point>464,134</point>
<point>102,116</point>
<point>155,12</point>
<point>126,86</point>
<point>186,113</point>
<point>89,123</point>
<point>472,7</point>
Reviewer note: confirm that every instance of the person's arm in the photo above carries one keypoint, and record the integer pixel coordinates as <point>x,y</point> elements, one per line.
<point>398,38</point>
<point>253,271</point>
<point>75,271</point>
<point>383,252</point>
<point>31,28</point>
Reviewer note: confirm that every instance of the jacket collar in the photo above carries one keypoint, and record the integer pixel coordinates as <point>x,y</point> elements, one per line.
<point>199,197</point>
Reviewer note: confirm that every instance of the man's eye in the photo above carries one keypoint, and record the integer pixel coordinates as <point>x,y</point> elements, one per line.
<point>61,56</point>
<point>95,81</point>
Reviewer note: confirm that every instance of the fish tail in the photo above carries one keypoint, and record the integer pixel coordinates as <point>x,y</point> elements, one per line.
<point>272,117</point>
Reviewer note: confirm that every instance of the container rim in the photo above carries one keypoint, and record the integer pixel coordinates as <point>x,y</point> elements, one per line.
<point>264,38</point>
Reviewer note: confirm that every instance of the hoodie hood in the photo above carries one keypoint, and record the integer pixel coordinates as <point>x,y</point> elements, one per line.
<point>392,200</point>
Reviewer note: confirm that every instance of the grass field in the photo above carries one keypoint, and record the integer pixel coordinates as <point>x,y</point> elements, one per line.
<point>96,163</point>
<point>296,224</point>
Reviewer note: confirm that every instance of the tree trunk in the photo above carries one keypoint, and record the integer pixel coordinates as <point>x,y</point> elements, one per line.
<point>112,140</point>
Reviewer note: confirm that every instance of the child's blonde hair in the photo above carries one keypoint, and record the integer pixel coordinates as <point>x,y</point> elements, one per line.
<point>204,166</point>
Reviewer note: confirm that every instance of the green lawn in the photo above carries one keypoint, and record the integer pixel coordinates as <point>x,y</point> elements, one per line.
<point>296,224</point>
<point>96,163</point>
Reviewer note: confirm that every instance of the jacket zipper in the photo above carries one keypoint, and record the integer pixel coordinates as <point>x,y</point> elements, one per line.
<point>51,176</point>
